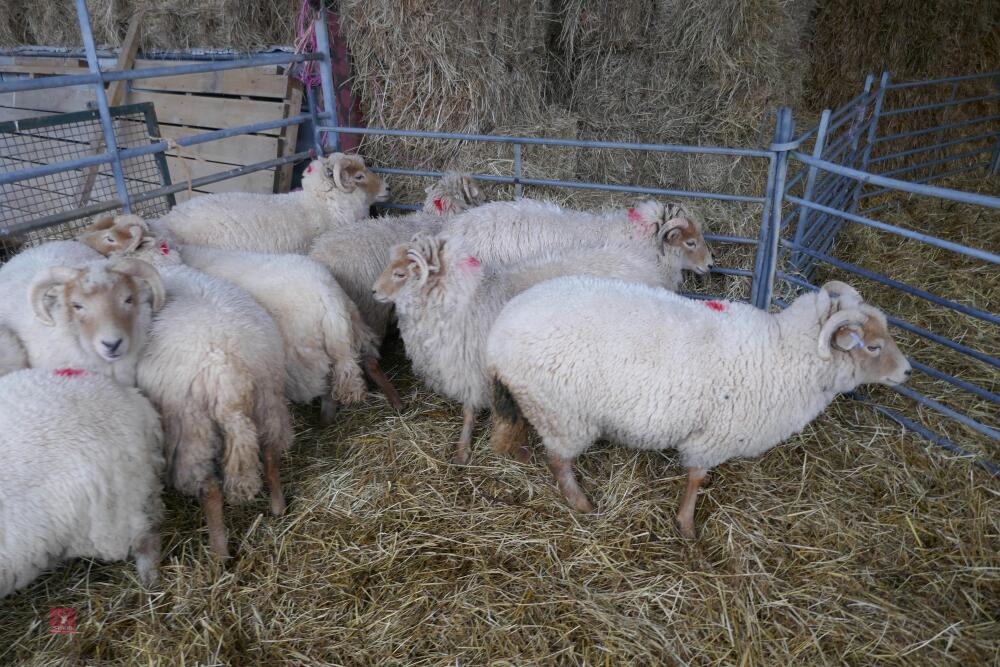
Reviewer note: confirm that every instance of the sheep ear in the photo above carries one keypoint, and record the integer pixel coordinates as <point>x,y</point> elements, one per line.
<point>106,221</point>
<point>41,300</point>
<point>145,271</point>
<point>830,332</point>
<point>470,191</point>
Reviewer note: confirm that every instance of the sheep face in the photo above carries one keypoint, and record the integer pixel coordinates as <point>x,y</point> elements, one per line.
<point>453,194</point>
<point>101,304</point>
<point>347,174</point>
<point>860,332</point>
<point>114,235</point>
<point>417,266</point>
<point>681,233</point>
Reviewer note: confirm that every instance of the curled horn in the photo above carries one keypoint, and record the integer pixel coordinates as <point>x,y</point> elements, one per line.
<point>57,275</point>
<point>143,270</point>
<point>424,252</point>
<point>667,228</point>
<point>106,221</point>
<point>839,319</point>
<point>846,296</point>
<point>338,160</point>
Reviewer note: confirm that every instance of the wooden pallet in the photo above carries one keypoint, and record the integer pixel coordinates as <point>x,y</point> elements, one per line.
<point>186,105</point>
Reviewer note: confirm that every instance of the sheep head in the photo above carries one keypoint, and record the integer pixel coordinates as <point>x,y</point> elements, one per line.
<point>102,303</point>
<point>853,328</point>
<point>345,174</point>
<point>453,194</point>
<point>422,265</point>
<point>678,231</point>
<point>109,234</point>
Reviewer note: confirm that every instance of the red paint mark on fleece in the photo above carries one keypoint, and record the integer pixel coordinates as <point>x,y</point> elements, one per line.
<point>471,263</point>
<point>69,372</point>
<point>309,169</point>
<point>164,248</point>
<point>717,306</point>
<point>439,205</point>
<point>634,216</point>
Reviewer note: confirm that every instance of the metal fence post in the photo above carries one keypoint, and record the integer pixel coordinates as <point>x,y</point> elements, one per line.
<point>994,167</point>
<point>800,262</point>
<point>102,105</point>
<point>765,263</point>
<point>866,153</point>
<point>326,75</point>
<point>518,187</point>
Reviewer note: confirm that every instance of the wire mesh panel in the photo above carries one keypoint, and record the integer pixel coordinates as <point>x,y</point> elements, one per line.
<point>49,207</point>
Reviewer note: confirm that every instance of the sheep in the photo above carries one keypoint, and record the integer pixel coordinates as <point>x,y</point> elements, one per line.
<point>214,366</point>
<point>504,232</point>
<point>12,355</point>
<point>446,301</point>
<point>584,358</point>
<point>324,336</point>
<point>80,476</point>
<point>71,307</point>
<point>356,254</point>
<point>335,190</point>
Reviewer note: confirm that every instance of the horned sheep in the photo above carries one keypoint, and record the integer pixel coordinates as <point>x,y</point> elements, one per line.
<point>214,366</point>
<point>446,301</point>
<point>70,307</point>
<point>504,232</point>
<point>583,358</point>
<point>357,254</point>
<point>81,474</point>
<point>336,190</point>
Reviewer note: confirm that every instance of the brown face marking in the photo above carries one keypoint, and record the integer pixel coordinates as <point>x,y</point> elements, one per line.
<point>104,310</point>
<point>108,240</point>
<point>394,276</point>
<point>365,179</point>
<point>692,245</point>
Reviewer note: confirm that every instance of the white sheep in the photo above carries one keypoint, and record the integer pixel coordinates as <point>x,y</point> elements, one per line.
<point>586,358</point>
<point>81,470</point>
<point>71,307</point>
<point>335,190</point>
<point>12,354</point>
<point>214,366</point>
<point>324,336</point>
<point>356,254</point>
<point>503,232</point>
<point>446,301</point>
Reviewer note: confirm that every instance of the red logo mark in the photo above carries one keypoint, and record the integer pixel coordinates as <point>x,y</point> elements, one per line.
<point>717,306</point>
<point>309,169</point>
<point>634,215</point>
<point>438,204</point>
<point>62,621</point>
<point>471,262</point>
<point>164,248</point>
<point>69,372</point>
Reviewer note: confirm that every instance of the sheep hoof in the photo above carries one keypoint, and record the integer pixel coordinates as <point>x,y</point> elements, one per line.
<point>580,503</point>
<point>149,575</point>
<point>461,458</point>
<point>327,411</point>
<point>521,454</point>
<point>277,506</point>
<point>686,527</point>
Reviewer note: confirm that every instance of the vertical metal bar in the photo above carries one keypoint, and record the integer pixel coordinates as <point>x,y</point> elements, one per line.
<point>317,133</point>
<point>800,261</point>
<point>102,105</point>
<point>994,167</point>
<point>153,128</point>
<point>326,76</point>
<point>518,188</point>
<point>765,263</point>
<point>870,140</point>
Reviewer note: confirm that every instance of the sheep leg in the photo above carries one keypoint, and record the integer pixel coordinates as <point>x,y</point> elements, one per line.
<point>463,452</point>
<point>374,371</point>
<point>327,411</point>
<point>147,557</point>
<point>211,502</point>
<point>562,470</point>
<point>685,515</point>
<point>510,437</point>
<point>273,478</point>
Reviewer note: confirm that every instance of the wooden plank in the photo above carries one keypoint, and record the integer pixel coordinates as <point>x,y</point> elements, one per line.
<point>289,135</point>
<point>74,98</point>
<point>244,149</point>
<point>258,181</point>
<point>212,112</point>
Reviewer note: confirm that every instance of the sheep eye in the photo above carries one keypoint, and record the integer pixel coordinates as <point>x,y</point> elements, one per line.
<point>77,306</point>
<point>874,348</point>
<point>398,275</point>
<point>359,177</point>
<point>128,299</point>
<point>109,239</point>
<point>690,244</point>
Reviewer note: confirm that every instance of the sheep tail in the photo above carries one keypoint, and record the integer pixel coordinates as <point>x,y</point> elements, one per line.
<point>345,336</point>
<point>232,410</point>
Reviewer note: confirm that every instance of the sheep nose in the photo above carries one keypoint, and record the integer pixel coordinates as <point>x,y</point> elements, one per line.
<point>111,345</point>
